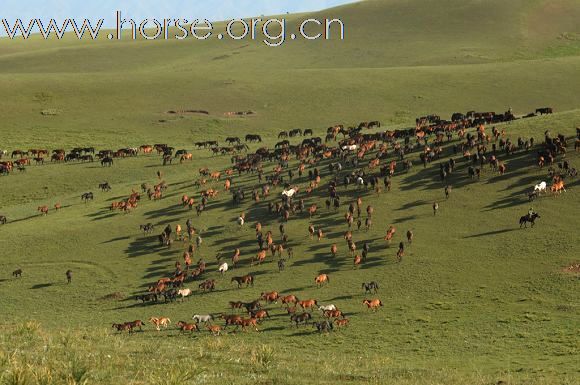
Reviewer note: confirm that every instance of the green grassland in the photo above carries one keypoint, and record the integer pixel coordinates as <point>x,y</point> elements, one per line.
<point>475,300</point>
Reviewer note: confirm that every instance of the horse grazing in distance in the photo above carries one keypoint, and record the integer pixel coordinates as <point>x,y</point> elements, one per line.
<point>527,218</point>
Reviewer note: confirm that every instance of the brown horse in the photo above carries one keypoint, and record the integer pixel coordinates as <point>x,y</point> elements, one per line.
<point>260,257</point>
<point>288,299</point>
<point>308,303</point>
<point>246,279</point>
<point>231,319</point>
<point>43,210</point>
<point>246,323</point>
<point>341,322</point>
<point>187,327</point>
<point>321,279</point>
<point>312,210</point>
<point>208,285</point>
<point>372,304</point>
<point>333,250</point>
<point>214,329</point>
<point>260,314</point>
<point>333,314</point>
<point>270,297</point>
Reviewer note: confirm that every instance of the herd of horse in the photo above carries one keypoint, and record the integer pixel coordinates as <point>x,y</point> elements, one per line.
<point>368,161</point>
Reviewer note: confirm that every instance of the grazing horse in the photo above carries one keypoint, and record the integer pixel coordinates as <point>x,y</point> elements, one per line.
<point>321,279</point>
<point>246,279</point>
<point>370,287</point>
<point>17,273</point>
<point>43,210</point>
<point>372,304</point>
<point>158,322</point>
<point>107,161</point>
<point>527,218</point>
<point>3,219</point>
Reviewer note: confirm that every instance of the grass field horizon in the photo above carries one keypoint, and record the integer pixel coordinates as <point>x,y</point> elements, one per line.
<point>475,300</point>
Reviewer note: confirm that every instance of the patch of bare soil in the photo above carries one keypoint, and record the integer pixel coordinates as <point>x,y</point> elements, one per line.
<point>573,268</point>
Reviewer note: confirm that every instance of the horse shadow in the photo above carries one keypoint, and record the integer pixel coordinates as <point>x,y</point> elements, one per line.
<point>41,285</point>
<point>490,233</point>
<point>117,239</point>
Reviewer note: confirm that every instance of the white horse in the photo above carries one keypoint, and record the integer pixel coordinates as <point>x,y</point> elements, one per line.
<point>3,153</point>
<point>184,293</point>
<point>327,307</point>
<point>543,186</point>
<point>223,267</point>
<point>352,147</point>
<point>289,193</point>
<point>202,318</point>
<point>360,182</point>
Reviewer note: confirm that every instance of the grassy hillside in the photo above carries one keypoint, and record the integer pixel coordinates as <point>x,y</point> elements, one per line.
<point>400,59</point>
<point>476,300</point>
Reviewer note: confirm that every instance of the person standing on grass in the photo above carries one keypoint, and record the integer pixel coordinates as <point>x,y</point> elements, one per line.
<point>435,208</point>
<point>447,191</point>
<point>69,276</point>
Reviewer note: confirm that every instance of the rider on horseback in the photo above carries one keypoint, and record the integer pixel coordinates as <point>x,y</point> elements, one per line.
<point>530,212</point>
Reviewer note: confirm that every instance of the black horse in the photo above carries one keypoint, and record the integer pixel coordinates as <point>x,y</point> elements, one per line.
<point>370,287</point>
<point>324,326</point>
<point>527,218</point>
<point>87,197</point>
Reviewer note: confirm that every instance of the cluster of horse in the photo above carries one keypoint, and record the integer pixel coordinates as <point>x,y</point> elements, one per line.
<point>359,159</point>
<point>350,152</point>
<point>300,312</point>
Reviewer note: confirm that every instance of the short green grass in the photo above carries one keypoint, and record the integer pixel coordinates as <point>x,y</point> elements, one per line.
<point>476,300</point>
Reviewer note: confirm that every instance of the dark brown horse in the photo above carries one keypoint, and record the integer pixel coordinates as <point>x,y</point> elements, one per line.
<point>246,279</point>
